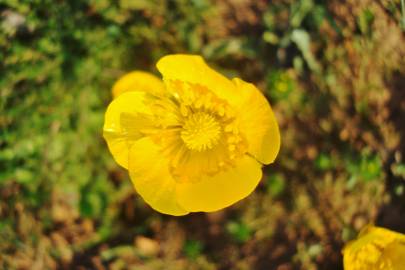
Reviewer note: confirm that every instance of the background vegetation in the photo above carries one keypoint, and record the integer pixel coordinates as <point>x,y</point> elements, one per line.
<point>334,72</point>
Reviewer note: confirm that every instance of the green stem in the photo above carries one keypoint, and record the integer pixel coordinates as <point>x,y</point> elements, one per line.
<point>403,15</point>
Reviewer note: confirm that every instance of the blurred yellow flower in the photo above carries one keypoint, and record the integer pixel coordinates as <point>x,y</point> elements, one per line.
<point>196,144</point>
<point>375,249</point>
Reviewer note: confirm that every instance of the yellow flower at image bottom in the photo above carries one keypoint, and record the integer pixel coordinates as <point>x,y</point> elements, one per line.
<point>195,141</point>
<point>375,249</point>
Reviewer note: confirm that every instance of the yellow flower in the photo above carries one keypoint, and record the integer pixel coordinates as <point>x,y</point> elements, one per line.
<point>375,249</point>
<point>196,144</point>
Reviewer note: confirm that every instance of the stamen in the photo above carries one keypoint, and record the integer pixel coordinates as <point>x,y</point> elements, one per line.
<point>201,131</point>
<point>198,131</point>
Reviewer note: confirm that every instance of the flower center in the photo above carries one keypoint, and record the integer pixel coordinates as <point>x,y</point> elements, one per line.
<point>197,131</point>
<point>201,131</point>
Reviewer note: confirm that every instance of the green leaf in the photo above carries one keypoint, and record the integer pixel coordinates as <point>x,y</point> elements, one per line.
<point>365,20</point>
<point>323,162</point>
<point>23,175</point>
<point>192,249</point>
<point>302,39</point>
<point>239,231</point>
<point>275,184</point>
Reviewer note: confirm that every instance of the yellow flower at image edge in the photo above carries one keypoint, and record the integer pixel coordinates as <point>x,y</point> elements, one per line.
<point>375,249</point>
<point>195,141</point>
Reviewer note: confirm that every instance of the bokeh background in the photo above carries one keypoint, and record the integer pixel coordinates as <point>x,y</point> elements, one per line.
<point>334,72</point>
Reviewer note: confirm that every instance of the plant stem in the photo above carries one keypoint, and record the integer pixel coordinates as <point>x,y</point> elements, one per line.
<point>403,15</point>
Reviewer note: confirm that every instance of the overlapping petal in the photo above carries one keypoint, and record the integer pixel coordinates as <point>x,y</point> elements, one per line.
<point>118,137</point>
<point>212,193</point>
<point>138,81</point>
<point>258,123</point>
<point>193,69</point>
<point>149,171</point>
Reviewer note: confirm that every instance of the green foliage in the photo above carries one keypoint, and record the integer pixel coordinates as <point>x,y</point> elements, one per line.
<point>366,168</point>
<point>280,85</point>
<point>324,162</point>
<point>399,170</point>
<point>239,231</point>
<point>365,20</point>
<point>192,249</point>
<point>275,184</point>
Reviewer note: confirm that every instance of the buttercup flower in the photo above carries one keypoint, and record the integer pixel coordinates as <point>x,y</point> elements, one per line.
<point>196,141</point>
<point>375,249</point>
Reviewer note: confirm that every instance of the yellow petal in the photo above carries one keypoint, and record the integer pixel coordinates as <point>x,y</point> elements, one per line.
<point>117,137</point>
<point>138,81</point>
<point>213,193</point>
<point>393,257</point>
<point>258,123</point>
<point>193,69</point>
<point>374,248</point>
<point>150,175</point>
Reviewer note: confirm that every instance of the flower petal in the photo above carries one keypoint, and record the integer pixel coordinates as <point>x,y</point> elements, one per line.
<point>138,81</point>
<point>149,171</point>
<point>393,257</point>
<point>193,69</point>
<point>213,193</point>
<point>117,137</point>
<point>374,248</point>
<point>258,123</point>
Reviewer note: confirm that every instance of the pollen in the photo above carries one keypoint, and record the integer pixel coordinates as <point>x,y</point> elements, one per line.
<point>201,131</point>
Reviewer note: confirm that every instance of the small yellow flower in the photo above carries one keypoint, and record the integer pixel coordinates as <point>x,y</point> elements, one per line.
<point>197,143</point>
<point>375,249</point>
